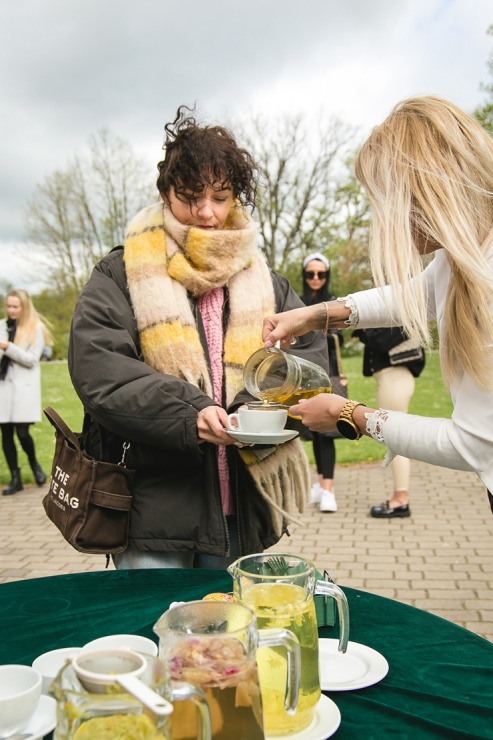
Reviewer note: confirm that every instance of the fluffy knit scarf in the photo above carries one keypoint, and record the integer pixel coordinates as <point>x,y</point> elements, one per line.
<point>165,261</point>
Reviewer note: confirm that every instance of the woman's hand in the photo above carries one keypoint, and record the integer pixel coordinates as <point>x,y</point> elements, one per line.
<point>321,412</point>
<point>284,327</point>
<point>4,345</point>
<point>211,424</point>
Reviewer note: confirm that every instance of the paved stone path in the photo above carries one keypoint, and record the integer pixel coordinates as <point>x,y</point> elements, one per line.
<point>440,559</point>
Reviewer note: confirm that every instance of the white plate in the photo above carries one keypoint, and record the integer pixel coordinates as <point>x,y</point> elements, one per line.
<point>263,438</point>
<point>358,667</point>
<point>43,720</point>
<point>326,721</point>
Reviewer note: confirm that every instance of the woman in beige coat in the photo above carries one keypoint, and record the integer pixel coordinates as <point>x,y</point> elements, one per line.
<point>23,336</point>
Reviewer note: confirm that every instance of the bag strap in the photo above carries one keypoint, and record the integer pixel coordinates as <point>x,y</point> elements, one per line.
<point>61,427</point>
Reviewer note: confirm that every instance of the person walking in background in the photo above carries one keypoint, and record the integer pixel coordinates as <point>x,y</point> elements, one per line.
<point>316,281</point>
<point>23,336</point>
<point>159,338</point>
<point>428,173</point>
<point>394,374</point>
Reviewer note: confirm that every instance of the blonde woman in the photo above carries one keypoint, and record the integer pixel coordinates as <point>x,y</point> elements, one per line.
<point>23,335</point>
<point>428,173</point>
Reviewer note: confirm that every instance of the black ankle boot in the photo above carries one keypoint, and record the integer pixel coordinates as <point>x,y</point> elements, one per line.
<point>14,485</point>
<point>39,474</point>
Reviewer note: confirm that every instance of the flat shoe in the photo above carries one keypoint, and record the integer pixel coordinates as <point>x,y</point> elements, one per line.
<point>384,511</point>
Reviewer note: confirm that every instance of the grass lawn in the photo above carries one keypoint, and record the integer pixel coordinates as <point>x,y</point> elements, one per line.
<point>430,399</point>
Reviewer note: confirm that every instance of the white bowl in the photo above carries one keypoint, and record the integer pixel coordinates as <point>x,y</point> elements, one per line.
<point>123,642</point>
<point>20,692</point>
<point>48,664</point>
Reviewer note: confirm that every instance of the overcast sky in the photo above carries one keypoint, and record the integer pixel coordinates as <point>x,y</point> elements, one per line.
<point>72,67</point>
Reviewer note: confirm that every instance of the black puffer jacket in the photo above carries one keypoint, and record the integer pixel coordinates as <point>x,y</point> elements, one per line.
<point>176,497</point>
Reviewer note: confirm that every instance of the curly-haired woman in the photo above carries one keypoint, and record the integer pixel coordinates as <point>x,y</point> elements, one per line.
<point>159,339</point>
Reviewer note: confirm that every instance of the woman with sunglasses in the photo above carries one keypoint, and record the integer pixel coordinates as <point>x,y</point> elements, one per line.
<point>316,278</point>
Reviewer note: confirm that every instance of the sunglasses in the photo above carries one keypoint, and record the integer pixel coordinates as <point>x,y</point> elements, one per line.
<point>311,274</point>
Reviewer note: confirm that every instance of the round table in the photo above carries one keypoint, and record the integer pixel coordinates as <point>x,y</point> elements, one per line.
<point>439,685</point>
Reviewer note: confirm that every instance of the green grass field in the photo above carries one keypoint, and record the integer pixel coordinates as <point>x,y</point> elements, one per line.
<point>430,399</point>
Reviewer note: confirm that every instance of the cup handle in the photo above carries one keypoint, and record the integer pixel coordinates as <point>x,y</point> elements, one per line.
<point>327,588</point>
<point>273,637</point>
<point>181,691</point>
<point>234,417</point>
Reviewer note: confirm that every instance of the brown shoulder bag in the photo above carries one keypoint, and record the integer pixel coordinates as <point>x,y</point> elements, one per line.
<point>88,500</point>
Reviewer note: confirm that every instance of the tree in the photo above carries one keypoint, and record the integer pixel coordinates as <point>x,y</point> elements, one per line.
<point>484,113</point>
<point>78,214</point>
<point>300,169</point>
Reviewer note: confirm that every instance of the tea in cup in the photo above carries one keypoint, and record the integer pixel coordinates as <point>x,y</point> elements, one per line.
<point>259,418</point>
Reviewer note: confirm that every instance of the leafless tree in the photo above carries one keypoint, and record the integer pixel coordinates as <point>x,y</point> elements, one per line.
<point>301,169</point>
<point>78,214</point>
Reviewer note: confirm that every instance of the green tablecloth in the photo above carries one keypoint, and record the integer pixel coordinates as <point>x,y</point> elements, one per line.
<point>440,682</point>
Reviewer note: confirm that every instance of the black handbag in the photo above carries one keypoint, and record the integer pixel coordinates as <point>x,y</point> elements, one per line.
<point>88,500</point>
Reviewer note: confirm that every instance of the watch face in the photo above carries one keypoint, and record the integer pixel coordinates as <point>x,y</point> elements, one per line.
<point>347,429</point>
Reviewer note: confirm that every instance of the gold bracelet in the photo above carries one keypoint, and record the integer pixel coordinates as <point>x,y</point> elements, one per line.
<point>326,328</point>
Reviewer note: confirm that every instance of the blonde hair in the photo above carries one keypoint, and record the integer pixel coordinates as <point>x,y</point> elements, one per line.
<point>428,172</point>
<point>29,320</point>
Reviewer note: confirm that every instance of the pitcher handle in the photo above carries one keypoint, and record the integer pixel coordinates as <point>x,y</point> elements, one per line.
<point>274,637</point>
<point>328,588</point>
<point>181,691</point>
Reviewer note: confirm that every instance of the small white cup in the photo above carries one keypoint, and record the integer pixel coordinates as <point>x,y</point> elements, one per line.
<point>20,692</point>
<point>48,664</point>
<point>137,643</point>
<point>258,421</point>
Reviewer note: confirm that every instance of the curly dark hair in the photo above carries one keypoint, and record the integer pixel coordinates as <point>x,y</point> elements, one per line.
<point>197,156</point>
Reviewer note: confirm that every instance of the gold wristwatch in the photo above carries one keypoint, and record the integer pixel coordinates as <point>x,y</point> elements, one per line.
<point>345,424</point>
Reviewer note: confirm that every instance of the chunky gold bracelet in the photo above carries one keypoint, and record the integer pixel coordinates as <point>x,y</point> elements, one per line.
<point>326,328</point>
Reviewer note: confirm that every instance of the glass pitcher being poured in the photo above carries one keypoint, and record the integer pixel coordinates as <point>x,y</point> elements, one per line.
<point>279,588</point>
<point>274,376</point>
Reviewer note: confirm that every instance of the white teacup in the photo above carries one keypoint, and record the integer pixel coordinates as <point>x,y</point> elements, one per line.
<point>127,642</point>
<point>260,420</point>
<point>48,664</point>
<point>20,692</point>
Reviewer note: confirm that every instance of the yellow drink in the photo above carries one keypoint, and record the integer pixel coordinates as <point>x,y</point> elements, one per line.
<point>290,607</point>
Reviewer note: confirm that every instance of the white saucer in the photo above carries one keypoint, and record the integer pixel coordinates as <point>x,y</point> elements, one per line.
<point>358,667</point>
<point>43,720</point>
<point>263,438</point>
<point>326,721</point>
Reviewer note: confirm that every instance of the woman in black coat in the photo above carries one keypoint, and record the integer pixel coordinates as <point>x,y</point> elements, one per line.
<point>316,278</point>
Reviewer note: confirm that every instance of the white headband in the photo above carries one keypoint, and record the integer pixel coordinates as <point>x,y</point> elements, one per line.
<point>316,256</point>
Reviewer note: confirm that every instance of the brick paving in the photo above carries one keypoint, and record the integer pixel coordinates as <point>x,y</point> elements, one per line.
<point>440,559</point>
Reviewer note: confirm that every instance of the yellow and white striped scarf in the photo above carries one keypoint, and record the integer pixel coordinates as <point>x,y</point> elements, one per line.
<point>165,261</point>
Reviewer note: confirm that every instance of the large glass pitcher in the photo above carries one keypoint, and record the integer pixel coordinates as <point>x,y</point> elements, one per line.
<point>103,713</point>
<point>214,645</point>
<point>280,588</point>
<point>275,376</point>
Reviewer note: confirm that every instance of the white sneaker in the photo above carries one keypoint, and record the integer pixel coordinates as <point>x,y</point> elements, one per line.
<point>327,500</point>
<point>316,493</point>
